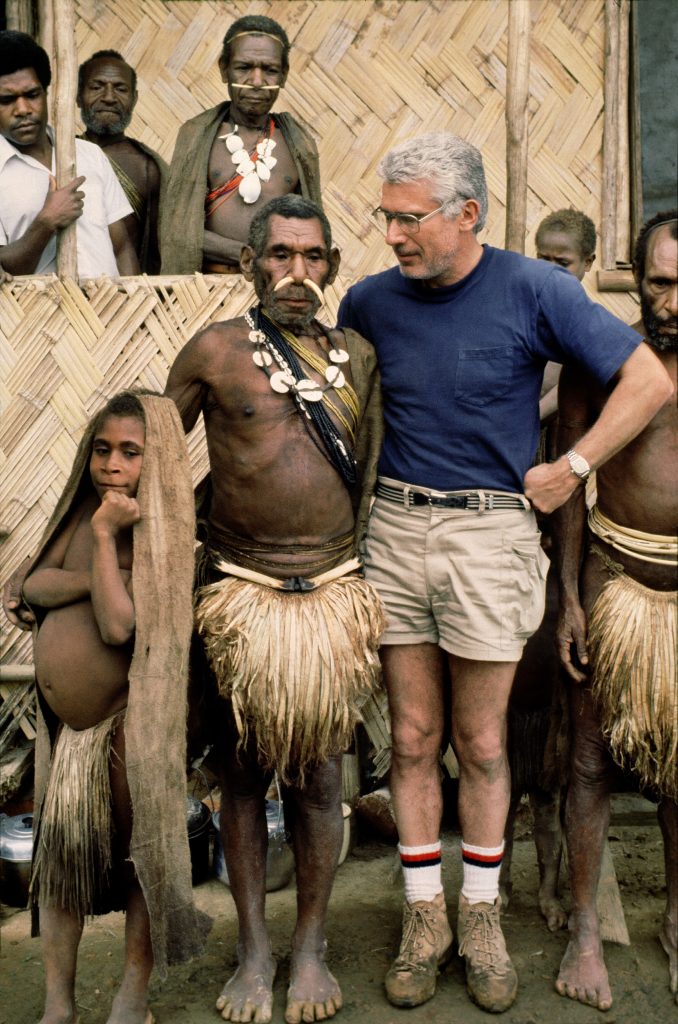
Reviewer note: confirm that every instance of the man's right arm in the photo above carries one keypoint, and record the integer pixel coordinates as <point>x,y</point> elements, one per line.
<point>61,207</point>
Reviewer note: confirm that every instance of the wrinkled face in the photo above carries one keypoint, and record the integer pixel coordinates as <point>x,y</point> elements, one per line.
<point>254,74</point>
<point>23,108</point>
<point>430,253</point>
<point>562,248</point>
<point>294,249</point>
<point>107,97</point>
<point>117,455</point>
<point>659,291</point>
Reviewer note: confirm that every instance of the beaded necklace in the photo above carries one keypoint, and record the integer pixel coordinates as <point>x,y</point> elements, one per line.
<point>274,345</point>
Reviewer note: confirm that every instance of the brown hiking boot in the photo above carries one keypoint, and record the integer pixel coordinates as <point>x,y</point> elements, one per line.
<point>491,979</point>
<point>426,946</point>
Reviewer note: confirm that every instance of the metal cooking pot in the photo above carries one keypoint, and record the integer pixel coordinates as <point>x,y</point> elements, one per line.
<point>279,856</point>
<point>16,850</point>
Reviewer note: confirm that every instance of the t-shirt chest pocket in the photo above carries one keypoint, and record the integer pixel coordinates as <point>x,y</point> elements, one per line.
<point>483,375</point>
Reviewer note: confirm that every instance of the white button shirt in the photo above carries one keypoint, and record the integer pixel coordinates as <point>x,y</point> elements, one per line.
<point>24,183</point>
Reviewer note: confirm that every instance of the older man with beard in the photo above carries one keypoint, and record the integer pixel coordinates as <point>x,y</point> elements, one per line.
<point>107,96</point>
<point>618,616</point>
<point>290,628</point>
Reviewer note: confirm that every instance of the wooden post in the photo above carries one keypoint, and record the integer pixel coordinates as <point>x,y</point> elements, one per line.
<point>64,85</point>
<point>635,128</point>
<point>610,138</point>
<point>19,16</point>
<point>623,249</point>
<point>517,88</point>
<point>46,40</point>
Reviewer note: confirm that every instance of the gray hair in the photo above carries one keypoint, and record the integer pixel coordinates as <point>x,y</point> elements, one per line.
<point>453,167</point>
<point>289,206</point>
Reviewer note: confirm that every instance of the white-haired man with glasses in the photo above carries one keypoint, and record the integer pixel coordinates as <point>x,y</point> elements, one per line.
<point>462,333</point>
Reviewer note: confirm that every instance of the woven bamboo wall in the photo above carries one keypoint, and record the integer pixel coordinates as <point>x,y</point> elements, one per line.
<point>363,75</point>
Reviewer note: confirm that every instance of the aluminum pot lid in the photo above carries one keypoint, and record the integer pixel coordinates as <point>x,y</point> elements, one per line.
<point>16,837</point>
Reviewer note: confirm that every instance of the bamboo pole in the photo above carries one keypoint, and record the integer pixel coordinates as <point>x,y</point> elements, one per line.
<point>635,127</point>
<point>517,87</point>
<point>610,138</point>
<point>19,16</point>
<point>623,249</point>
<point>46,40</point>
<point>65,66</point>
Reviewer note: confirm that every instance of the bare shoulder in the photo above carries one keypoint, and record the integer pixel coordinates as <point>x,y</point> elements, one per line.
<point>215,338</point>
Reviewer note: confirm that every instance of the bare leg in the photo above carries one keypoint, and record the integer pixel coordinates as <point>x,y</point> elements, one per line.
<point>61,934</point>
<point>248,995</point>
<point>668,821</point>
<point>480,693</point>
<point>130,1005</point>
<point>583,975</point>
<point>318,827</point>
<point>548,840</point>
<point>413,675</point>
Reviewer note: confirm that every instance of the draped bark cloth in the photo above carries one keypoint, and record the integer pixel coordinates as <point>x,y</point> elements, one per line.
<point>296,666</point>
<point>155,720</point>
<point>632,645</point>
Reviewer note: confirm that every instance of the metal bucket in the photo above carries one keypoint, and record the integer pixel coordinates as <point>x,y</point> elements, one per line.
<point>279,856</point>
<point>16,850</point>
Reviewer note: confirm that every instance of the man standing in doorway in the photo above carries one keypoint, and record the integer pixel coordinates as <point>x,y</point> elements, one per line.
<point>462,333</point>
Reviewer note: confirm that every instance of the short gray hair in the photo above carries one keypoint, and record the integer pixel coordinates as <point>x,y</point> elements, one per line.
<point>453,167</point>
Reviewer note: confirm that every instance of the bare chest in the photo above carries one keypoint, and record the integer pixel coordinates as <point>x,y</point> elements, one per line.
<point>134,163</point>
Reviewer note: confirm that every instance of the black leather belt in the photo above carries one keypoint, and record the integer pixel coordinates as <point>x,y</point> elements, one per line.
<point>474,501</point>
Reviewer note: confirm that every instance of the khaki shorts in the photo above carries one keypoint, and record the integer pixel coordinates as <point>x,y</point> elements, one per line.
<point>472,583</point>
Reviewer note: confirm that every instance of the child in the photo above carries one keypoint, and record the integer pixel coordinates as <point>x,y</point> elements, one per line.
<point>111,592</point>
<point>568,238</point>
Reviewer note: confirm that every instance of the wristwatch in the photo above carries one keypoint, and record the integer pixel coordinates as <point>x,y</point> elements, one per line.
<point>578,464</point>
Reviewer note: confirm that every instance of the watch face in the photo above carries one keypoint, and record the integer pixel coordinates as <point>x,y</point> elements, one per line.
<point>579,465</point>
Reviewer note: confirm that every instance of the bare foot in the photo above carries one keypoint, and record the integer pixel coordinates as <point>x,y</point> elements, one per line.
<point>669,945</point>
<point>552,911</point>
<point>124,1011</point>
<point>583,974</point>
<point>51,1017</point>
<point>248,995</point>
<point>314,993</point>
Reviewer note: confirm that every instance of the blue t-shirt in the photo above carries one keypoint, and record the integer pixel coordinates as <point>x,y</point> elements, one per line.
<point>462,366</point>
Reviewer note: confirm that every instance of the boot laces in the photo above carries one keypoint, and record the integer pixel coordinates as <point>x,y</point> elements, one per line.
<point>418,931</point>
<point>483,939</point>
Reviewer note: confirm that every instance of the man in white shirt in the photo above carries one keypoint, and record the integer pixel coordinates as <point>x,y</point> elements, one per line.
<point>32,208</point>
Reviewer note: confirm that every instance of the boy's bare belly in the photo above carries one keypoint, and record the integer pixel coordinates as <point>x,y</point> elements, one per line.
<point>82,679</point>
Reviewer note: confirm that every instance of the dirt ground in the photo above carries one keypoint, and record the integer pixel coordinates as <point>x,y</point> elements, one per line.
<point>364,931</point>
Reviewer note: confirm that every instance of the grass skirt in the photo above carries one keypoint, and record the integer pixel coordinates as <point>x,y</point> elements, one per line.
<point>72,860</point>
<point>295,666</point>
<point>632,643</point>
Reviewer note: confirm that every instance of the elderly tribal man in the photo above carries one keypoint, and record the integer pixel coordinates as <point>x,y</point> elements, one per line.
<point>290,627</point>
<point>617,631</point>
<point>107,96</point>
<point>462,332</point>
<point>228,161</point>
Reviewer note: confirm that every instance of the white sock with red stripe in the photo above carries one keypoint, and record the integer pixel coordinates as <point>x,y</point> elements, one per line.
<point>481,865</point>
<point>421,871</point>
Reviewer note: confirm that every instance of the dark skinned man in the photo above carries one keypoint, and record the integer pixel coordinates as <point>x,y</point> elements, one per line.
<point>289,627</point>
<point>107,96</point>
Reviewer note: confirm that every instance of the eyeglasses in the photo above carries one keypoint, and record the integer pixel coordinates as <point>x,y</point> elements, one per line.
<point>407,222</point>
